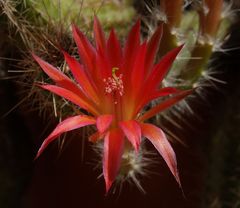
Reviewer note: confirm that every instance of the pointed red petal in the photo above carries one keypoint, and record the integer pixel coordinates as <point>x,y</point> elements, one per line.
<point>85,49</point>
<point>138,75</point>
<point>131,46</point>
<point>156,94</point>
<point>103,66</point>
<point>96,136</point>
<point>99,35</point>
<point>164,105</point>
<point>65,126</point>
<point>161,69</point>
<point>152,48</point>
<point>113,149</point>
<point>164,92</point>
<point>103,122</point>
<point>81,77</point>
<point>157,137</point>
<point>69,95</point>
<point>114,50</point>
<point>133,39</point>
<point>57,76</point>
<point>160,93</point>
<point>132,131</point>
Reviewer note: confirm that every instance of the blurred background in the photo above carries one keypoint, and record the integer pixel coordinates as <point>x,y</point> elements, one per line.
<point>207,126</point>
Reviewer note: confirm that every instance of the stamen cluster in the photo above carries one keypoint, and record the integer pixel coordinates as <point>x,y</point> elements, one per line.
<point>114,84</point>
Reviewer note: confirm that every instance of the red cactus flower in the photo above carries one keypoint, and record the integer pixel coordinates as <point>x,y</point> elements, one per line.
<point>114,84</point>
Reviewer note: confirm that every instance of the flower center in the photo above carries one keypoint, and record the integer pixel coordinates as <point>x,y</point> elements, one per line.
<point>114,84</point>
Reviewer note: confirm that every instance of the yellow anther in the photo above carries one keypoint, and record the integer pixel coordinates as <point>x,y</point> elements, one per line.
<point>114,69</point>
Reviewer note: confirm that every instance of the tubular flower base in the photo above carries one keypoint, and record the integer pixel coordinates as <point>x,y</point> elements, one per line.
<point>114,84</point>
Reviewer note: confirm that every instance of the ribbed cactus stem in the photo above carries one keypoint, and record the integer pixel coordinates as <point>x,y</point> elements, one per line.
<point>169,41</point>
<point>198,60</point>
<point>209,20</point>
<point>210,17</point>
<point>173,13</point>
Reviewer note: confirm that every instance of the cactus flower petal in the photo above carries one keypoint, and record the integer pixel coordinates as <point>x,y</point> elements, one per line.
<point>152,48</point>
<point>81,77</point>
<point>113,84</point>
<point>157,137</point>
<point>85,49</point>
<point>68,124</point>
<point>113,149</point>
<point>165,105</point>
<point>131,47</point>
<point>103,122</point>
<point>114,50</point>
<point>96,136</point>
<point>132,131</point>
<point>160,70</point>
<point>99,35</point>
<point>69,95</point>
<point>57,76</point>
